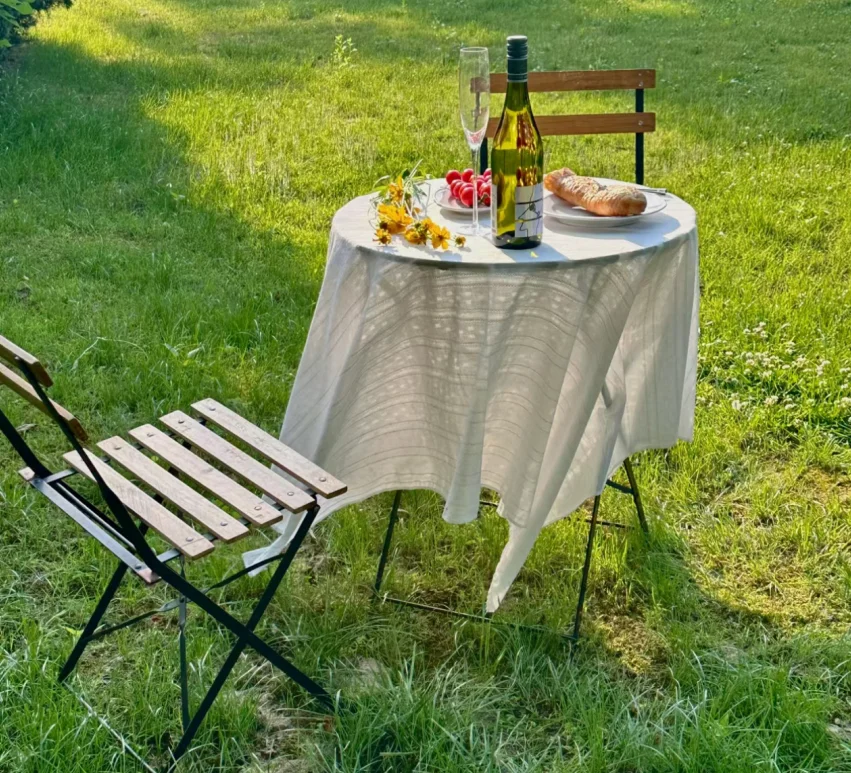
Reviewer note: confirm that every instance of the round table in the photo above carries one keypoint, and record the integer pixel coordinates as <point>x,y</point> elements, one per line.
<point>533,373</point>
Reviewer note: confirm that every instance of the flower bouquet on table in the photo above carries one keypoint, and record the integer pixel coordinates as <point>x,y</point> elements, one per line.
<point>400,208</point>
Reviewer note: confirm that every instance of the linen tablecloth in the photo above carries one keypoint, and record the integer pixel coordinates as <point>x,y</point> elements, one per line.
<point>533,373</point>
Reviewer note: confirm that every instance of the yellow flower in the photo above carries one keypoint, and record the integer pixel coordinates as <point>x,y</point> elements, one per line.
<point>394,218</point>
<point>439,236</point>
<point>397,190</point>
<point>460,241</point>
<point>382,235</point>
<point>416,234</point>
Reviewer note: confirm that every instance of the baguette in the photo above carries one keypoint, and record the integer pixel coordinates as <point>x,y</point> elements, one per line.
<point>607,200</point>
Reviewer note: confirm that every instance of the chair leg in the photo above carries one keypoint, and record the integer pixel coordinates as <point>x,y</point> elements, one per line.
<point>583,583</point>
<point>246,637</point>
<point>636,496</point>
<point>185,716</point>
<point>94,621</point>
<point>388,538</point>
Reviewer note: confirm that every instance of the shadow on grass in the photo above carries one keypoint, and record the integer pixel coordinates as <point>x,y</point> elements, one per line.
<point>157,297</point>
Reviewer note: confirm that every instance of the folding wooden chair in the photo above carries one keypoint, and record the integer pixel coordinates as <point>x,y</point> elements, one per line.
<point>638,123</point>
<point>198,522</point>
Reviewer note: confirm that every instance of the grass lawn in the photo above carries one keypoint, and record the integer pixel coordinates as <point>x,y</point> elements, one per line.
<point>168,172</point>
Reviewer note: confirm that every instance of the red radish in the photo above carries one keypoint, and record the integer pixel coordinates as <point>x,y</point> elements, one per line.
<point>467,196</point>
<point>467,175</point>
<point>452,175</point>
<point>487,172</point>
<point>486,199</point>
<point>455,187</point>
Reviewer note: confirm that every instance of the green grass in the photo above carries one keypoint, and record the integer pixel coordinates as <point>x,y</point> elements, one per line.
<point>168,171</point>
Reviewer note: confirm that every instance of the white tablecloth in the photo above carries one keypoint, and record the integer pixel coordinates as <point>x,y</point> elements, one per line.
<point>533,373</point>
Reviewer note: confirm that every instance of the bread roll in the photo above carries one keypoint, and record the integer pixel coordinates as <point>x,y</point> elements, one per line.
<point>585,192</point>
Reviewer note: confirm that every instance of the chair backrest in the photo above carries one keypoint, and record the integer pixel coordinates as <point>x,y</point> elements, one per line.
<point>32,388</point>
<point>33,371</point>
<point>637,122</point>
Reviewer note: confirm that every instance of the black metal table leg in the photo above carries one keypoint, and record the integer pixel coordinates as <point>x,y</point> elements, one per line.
<point>388,538</point>
<point>636,497</point>
<point>583,585</point>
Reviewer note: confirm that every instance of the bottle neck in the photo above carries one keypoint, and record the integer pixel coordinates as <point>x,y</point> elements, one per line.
<point>517,95</point>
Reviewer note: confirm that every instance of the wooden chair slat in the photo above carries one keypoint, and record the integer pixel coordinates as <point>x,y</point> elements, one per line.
<point>212,517</point>
<point>183,537</point>
<point>249,505</point>
<point>589,123</point>
<point>11,352</point>
<point>581,80</point>
<point>271,448</point>
<point>23,388</point>
<point>269,482</point>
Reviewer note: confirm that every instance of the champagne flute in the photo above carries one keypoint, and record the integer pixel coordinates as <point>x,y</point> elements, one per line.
<point>474,97</point>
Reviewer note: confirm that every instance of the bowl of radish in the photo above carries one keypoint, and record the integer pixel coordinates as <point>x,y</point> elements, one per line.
<point>458,194</point>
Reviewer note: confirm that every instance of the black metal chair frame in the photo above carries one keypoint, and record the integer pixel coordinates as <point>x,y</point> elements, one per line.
<point>119,533</point>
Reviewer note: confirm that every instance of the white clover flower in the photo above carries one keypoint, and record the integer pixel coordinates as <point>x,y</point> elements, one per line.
<point>844,402</point>
<point>737,405</point>
<point>771,400</point>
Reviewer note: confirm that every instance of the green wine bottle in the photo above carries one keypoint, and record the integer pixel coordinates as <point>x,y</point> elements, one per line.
<point>517,161</point>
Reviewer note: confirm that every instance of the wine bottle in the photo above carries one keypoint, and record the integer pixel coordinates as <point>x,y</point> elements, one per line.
<point>517,161</point>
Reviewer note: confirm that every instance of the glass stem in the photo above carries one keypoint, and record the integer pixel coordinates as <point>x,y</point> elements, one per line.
<point>476,190</point>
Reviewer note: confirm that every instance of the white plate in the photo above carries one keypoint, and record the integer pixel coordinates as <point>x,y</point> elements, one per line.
<point>444,199</point>
<point>577,217</point>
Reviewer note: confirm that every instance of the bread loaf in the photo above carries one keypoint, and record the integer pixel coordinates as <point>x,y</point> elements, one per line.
<point>586,192</point>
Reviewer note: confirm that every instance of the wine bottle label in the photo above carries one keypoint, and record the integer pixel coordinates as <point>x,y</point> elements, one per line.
<point>529,210</point>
